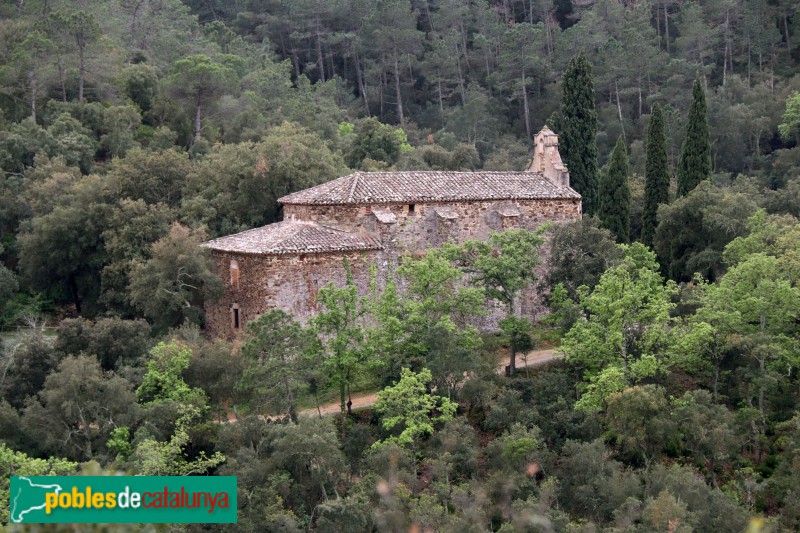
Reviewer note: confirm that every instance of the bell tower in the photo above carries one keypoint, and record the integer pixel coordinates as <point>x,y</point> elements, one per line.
<point>546,158</point>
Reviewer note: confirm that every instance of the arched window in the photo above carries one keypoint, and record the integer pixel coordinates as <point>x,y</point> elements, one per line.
<point>234,272</point>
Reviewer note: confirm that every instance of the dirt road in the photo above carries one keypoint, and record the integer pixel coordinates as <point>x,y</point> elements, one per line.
<point>531,359</point>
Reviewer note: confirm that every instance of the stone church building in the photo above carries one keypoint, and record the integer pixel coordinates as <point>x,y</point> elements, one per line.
<point>373,218</point>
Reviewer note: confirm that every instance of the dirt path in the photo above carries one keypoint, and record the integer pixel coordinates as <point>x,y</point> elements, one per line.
<point>531,359</point>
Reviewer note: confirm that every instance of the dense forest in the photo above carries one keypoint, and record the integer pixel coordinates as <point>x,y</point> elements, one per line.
<point>133,130</point>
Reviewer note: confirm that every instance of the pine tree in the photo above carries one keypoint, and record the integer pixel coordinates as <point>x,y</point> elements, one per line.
<point>615,195</point>
<point>695,162</point>
<point>578,128</point>
<point>656,172</point>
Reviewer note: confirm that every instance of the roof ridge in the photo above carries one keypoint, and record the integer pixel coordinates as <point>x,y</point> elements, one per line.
<point>355,175</point>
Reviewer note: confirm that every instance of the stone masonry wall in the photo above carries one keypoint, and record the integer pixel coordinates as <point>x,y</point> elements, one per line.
<point>420,229</point>
<point>287,282</point>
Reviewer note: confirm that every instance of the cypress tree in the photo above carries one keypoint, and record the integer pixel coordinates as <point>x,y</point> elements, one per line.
<point>695,162</point>
<point>656,174</point>
<point>615,195</point>
<point>578,128</point>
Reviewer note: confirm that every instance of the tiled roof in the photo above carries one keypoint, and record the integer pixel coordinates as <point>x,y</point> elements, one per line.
<point>408,187</point>
<point>292,236</point>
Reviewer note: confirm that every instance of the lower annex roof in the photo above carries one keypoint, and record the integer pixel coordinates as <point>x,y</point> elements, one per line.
<point>293,237</point>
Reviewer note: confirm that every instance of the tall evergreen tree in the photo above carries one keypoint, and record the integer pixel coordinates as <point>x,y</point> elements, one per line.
<point>695,163</point>
<point>578,128</point>
<point>615,195</point>
<point>656,173</point>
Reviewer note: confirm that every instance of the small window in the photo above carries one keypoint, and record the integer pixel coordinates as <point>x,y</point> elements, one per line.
<point>234,272</point>
<point>411,209</point>
<point>235,320</point>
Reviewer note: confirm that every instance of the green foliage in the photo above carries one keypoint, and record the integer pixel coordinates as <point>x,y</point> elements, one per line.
<point>580,252</point>
<point>408,406</point>
<point>168,458</point>
<point>634,423</point>
<point>341,336</point>
<point>27,364</point>
<point>377,142</point>
<point>517,449</point>
<point>13,463</point>
<point>657,174</point>
<point>199,79</point>
<point>502,266</point>
<point>693,231</point>
<point>119,443</point>
<point>77,408</point>
<point>614,210</point>
<point>695,162</point>
<point>423,326</point>
<point>169,288</point>
<point>309,452</point>
<point>236,187</point>
<point>789,128</point>
<point>278,349</point>
<point>61,251</point>
<point>577,128</point>
<point>164,381</point>
<point>113,341</point>
<point>624,337</point>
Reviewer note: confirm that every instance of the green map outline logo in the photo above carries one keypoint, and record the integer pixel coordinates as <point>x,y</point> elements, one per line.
<point>16,516</point>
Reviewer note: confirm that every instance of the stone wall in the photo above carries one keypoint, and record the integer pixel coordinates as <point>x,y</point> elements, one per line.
<point>430,224</point>
<point>287,282</point>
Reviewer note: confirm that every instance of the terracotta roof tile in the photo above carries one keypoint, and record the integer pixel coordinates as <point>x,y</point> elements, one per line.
<point>407,187</point>
<point>293,237</point>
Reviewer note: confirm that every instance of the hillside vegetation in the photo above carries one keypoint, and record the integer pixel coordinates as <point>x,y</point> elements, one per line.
<point>133,130</point>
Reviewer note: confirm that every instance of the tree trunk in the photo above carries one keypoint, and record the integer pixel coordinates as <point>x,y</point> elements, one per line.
<point>716,379</point>
<point>762,386</point>
<point>786,33</point>
<point>290,399</point>
<point>81,71</point>
<point>525,108</point>
<point>61,80</point>
<point>343,408</point>
<point>619,111</point>
<point>360,79</point>
<point>32,77</point>
<point>320,60</point>
<point>755,430</point>
<point>441,100</point>
<point>640,97</point>
<point>512,350</point>
<point>460,79</point>
<point>73,290</point>
<point>397,90</point>
<point>295,62</point>
<point>196,119</point>
<point>666,26</point>
<point>727,48</point>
